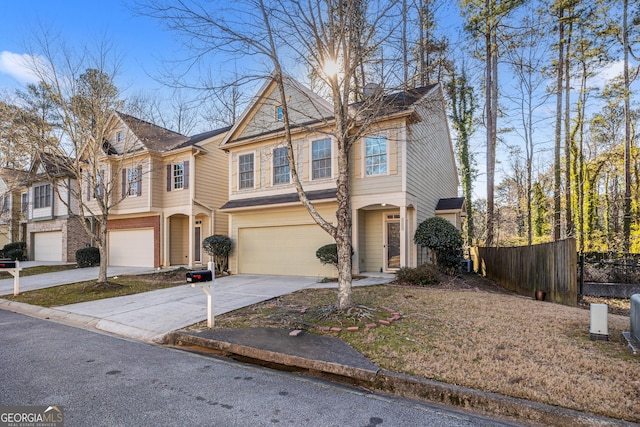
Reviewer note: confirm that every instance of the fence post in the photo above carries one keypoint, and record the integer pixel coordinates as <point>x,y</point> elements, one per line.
<point>580,291</point>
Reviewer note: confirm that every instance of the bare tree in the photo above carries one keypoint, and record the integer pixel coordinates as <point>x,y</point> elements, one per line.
<point>315,34</point>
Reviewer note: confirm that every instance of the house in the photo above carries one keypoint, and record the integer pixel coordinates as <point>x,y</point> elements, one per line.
<point>13,203</point>
<point>400,171</point>
<point>168,188</point>
<point>53,231</point>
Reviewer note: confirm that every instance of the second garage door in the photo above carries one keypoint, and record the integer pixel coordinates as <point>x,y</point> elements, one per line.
<point>133,248</point>
<point>47,246</point>
<point>289,250</point>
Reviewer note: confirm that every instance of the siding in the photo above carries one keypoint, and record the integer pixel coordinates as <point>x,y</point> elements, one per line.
<point>173,198</point>
<point>373,241</point>
<point>432,172</point>
<point>179,240</point>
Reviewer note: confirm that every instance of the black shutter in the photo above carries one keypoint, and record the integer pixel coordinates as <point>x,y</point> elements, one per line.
<point>139,180</point>
<point>124,183</point>
<point>186,174</point>
<point>169,178</point>
<point>88,186</point>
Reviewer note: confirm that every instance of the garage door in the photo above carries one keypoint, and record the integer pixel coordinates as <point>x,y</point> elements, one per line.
<point>132,248</point>
<point>47,246</point>
<point>287,250</point>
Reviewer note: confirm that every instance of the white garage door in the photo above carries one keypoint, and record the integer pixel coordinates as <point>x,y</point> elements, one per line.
<point>47,246</point>
<point>287,250</point>
<point>132,248</point>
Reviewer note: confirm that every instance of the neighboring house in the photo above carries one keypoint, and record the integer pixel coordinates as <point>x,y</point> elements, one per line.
<point>170,187</point>
<point>400,171</point>
<point>53,230</point>
<point>13,187</point>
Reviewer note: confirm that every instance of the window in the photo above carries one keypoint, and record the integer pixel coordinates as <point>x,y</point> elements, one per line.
<point>376,155</point>
<point>132,181</point>
<point>24,202</point>
<point>178,176</point>
<point>245,166</point>
<point>119,137</point>
<point>42,196</point>
<point>100,186</point>
<point>279,114</point>
<point>5,203</point>
<point>280,166</point>
<point>321,159</point>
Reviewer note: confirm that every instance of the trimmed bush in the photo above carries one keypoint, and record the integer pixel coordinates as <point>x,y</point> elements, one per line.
<point>87,257</point>
<point>328,254</point>
<point>444,239</point>
<point>15,251</point>
<point>425,274</point>
<point>219,247</point>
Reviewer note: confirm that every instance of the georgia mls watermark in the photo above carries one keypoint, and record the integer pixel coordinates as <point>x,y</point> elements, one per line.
<point>31,416</point>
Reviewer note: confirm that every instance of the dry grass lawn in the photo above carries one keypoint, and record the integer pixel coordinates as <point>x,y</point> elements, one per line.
<point>471,334</point>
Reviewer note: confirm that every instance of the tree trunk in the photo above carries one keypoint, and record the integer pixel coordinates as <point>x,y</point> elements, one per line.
<point>558,132</point>
<point>627,133</point>
<point>102,247</point>
<point>489,125</point>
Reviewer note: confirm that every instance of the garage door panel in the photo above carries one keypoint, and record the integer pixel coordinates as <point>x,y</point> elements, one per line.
<point>289,250</point>
<point>131,248</point>
<point>47,246</point>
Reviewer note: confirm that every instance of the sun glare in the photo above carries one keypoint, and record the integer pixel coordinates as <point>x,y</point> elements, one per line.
<point>331,68</point>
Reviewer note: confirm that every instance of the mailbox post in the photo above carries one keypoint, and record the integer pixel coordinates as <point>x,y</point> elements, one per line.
<point>13,268</point>
<point>207,279</point>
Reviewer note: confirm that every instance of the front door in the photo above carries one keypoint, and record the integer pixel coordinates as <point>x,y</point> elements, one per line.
<point>198,245</point>
<point>392,245</point>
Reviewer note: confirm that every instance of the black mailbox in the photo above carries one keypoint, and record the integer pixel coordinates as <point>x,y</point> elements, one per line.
<point>6,263</point>
<point>199,276</point>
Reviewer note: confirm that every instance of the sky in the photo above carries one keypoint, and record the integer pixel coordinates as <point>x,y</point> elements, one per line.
<point>141,41</point>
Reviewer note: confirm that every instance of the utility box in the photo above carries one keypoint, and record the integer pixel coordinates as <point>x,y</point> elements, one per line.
<point>199,276</point>
<point>7,263</point>
<point>635,317</point>
<point>599,329</point>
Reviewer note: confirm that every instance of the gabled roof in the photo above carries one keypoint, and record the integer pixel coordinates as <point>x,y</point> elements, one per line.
<point>204,135</point>
<point>14,178</point>
<point>153,137</point>
<point>396,102</point>
<point>53,165</point>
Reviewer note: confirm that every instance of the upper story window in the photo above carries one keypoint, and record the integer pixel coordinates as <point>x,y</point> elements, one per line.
<point>178,176</point>
<point>321,159</point>
<point>245,169</point>
<point>280,166</point>
<point>42,196</point>
<point>24,202</point>
<point>279,114</point>
<point>100,184</point>
<point>5,203</point>
<point>376,155</point>
<point>132,181</point>
<point>119,137</point>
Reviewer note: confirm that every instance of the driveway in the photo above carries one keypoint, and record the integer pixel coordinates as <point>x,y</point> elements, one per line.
<point>151,315</point>
<point>48,280</point>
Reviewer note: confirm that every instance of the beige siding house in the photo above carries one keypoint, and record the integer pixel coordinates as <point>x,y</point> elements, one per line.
<point>167,188</point>
<point>400,171</point>
<point>13,189</point>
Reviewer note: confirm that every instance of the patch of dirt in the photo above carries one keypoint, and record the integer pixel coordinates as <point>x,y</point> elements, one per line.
<point>177,275</point>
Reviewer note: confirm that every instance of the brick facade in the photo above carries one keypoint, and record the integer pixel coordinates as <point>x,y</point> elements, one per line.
<point>73,236</point>
<point>137,223</point>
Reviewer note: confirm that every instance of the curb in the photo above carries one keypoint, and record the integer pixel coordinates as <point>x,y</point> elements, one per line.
<point>410,387</point>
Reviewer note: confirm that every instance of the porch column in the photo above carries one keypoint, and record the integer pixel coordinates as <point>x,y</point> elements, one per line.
<point>355,238</point>
<point>192,231</point>
<point>164,235</point>
<point>404,258</point>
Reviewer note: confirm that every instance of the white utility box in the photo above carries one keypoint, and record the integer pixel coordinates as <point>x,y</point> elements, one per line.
<point>599,322</point>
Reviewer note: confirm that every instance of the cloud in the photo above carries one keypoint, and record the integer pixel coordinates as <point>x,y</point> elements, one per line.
<point>18,66</point>
<point>608,73</point>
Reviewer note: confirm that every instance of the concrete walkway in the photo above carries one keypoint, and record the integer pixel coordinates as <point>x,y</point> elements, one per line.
<point>49,280</point>
<point>151,315</point>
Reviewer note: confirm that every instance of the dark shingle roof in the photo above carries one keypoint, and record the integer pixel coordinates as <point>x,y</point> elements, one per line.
<point>395,102</point>
<point>153,137</point>
<point>204,135</point>
<point>454,203</point>
<point>56,165</point>
<point>279,199</point>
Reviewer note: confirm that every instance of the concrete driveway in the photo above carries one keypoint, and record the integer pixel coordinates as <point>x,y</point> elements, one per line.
<point>151,315</point>
<point>65,277</point>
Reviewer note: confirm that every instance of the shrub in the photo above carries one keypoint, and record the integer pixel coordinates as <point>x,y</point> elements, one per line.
<point>219,247</point>
<point>87,257</point>
<point>328,254</point>
<point>444,239</point>
<point>15,251</point>
<point>425,274</point>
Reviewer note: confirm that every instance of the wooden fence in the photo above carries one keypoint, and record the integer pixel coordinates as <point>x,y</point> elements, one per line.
<point>549,267</point>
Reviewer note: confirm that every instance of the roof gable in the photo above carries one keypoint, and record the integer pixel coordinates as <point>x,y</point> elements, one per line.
<point>260,117</point>
<point>145,135</point>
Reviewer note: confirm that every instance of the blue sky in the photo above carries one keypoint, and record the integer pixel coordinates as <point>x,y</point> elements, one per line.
<point>140,41</point>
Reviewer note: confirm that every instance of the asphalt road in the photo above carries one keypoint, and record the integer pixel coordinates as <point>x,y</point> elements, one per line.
<point>101,380</point>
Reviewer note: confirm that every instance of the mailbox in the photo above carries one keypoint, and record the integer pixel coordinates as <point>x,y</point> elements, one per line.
<point>7,263</point>
<point>199,276</point>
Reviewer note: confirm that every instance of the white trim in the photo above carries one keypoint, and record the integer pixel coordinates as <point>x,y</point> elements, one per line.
<point>238,155</point>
